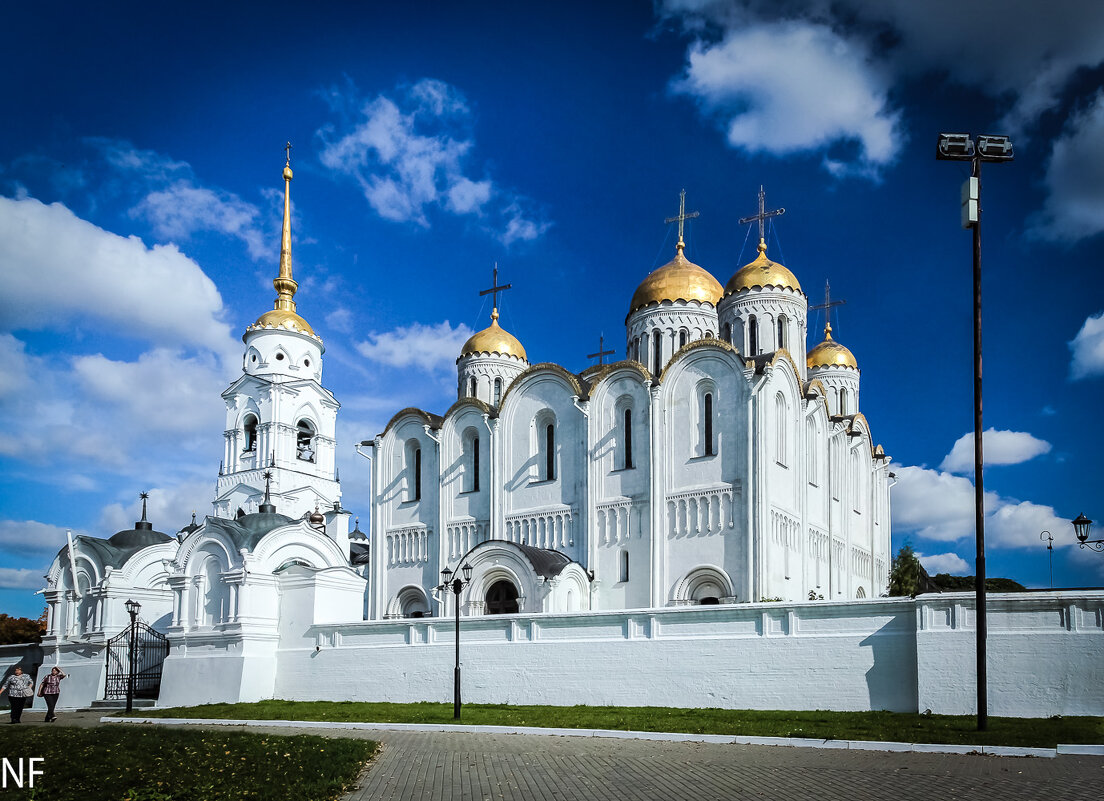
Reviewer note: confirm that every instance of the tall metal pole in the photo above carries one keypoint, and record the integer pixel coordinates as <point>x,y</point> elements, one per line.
<point>457,586</point>
<point>133,656</point>
<point>979,484</point>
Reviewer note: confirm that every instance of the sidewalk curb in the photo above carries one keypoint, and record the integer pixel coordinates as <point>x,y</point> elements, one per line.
<point>720,739</point>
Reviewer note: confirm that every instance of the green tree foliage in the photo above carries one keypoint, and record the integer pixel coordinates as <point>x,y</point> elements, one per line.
<point>904,578</point>
<point>21,629</point>
<point>948,583</point>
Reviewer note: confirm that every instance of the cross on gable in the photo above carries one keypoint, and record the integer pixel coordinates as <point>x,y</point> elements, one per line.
<point>601,353</point>
<point>495,288</point>
<point>763,215</point>
<point>827,306</point>
<point>681,218</point>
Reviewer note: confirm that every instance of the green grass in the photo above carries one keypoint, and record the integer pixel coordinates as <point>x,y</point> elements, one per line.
<point>135,763</point>
<point>891,726</point>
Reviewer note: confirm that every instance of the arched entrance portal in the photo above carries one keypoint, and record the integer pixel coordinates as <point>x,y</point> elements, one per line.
<point>502,598</point>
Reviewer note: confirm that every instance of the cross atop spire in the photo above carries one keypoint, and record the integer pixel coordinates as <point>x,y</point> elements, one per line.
<point>601,353</point>
<point>267,507</point>
<point>143,524</point>
<point>493,291</point>
<point>827,306</point>
<point>762,216</point>
<point>287,148</point>
<point>681,218</point>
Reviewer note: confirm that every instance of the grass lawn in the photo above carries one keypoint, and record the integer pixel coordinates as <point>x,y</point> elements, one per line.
<point>134,763</point>
<point>892,726</point>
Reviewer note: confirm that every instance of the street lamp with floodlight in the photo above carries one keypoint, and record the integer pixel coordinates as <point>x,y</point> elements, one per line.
<point>960,147</point>
<point>456,585</point>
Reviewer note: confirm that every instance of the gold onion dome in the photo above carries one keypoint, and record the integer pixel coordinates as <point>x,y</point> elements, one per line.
<point>830,353</point>
<point>493,339</point>
<point>761,273</point>
<point>678,279</point>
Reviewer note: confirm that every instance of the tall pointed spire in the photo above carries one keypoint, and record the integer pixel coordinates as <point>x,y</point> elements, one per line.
<point>143,524</point>
<point>284,283</point>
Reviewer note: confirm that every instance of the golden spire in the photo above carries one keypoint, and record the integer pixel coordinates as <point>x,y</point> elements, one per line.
<point>680,219</point>
<point>285,285</point>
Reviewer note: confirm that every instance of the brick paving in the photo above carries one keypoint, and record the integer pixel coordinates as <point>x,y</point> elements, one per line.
<point>516,767</point>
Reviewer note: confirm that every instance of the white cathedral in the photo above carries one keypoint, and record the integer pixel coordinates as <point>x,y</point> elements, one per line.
<point>711,466</point>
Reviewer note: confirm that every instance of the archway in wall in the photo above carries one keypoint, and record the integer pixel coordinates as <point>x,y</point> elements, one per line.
<point>501,598</point>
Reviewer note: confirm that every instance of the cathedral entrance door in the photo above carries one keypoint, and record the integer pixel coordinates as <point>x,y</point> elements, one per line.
<point>502,598</point>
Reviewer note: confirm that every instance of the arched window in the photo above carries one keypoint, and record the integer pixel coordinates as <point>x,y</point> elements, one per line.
<point>682,337</point>
<point>470,442</point>
<point>624,566</point>
<point>627,436</point>
<point>417,474</point>
<point>497,391</point>
<point>753,336</point>
<point>810,452</point>
<point>475,465</point>
<point>843,401</point>
<point>727,333</point>
<point>782,331</point>
<point>780,412</point>
<point>304,441</point>
<point>550,452</point>
<point>471,389</point>
<point>657,344</point>
<point>413,470</point>
<point>250,429</point>
<point>501,598</point>
<point>708,448</point>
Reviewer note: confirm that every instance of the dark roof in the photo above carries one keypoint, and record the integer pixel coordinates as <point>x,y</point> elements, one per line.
<point>545,562</point>
<point>358,552</point>
<point>116,551</point>
<point>248,530</point>
<point>137,538</point>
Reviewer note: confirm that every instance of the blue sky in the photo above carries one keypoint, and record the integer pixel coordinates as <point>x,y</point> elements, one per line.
<point>140,200</point>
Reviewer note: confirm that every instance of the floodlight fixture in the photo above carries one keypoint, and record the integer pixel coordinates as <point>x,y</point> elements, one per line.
<point>994,148</point>
<point>954,147</point>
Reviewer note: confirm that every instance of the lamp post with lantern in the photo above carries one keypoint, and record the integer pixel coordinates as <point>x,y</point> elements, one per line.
<point>1081,527</point>
<point>132,608</point>
<point>448,582</point>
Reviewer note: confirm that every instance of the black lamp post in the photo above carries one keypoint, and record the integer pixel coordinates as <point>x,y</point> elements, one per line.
<point>960,147</point>
<point>456,585</point>
<point>132,608</point>
<point>1082,526</point>
<point>1049,540</point>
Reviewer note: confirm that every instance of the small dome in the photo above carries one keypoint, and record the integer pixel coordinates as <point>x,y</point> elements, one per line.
<point>283,318</point>
<point>678,279</point>
<point>761,273</point>
<point>493,339</point>
<point>138,538</point>
<point>830,353</point>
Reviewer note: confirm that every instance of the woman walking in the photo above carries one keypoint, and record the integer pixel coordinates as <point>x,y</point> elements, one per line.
<point>20,692</point>
<point>50,689</point>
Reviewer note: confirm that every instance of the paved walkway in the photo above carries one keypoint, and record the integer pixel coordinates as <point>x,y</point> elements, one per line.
<point>509,767</point>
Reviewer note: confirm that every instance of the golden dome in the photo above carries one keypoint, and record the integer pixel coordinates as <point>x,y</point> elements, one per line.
<point>761,273</point>
<point>493,339</point>
<point>283,318</point>
<point>830,353</point>
<point>678,279</point>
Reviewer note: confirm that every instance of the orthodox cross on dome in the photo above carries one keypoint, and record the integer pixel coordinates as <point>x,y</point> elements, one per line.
<point>287,148</point>
<point>144,496</point>
<point>681,218</point>
<point>493,291</point>
<point>827,306</point>
<point>762,216</point>
<point>601,353</point>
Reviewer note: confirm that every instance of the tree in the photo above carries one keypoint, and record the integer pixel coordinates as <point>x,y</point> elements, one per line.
<point>21,629</point>
<point>905,577</point>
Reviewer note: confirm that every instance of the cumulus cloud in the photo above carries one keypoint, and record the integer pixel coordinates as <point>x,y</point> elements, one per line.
<point>1001,447</point>
<point>945,563</point>
<point>1074,207</point>
<point>939,506</point>
<point>59,268</point>
<point>823,91</point>
<point>169,508</point>
<point>411,153</point>
<point>1088,348</point>
<point>427,347</point>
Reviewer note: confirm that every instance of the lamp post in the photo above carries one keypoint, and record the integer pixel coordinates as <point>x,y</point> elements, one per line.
<point>960,147</point>
<point>1049,540</point>
<point>132,608</point>
<point>456,585</point>
<point>1081,527</point>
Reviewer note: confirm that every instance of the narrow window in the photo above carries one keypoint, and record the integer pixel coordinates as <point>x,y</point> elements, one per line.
<point>475,465</point>
<point>843,402</point>
<point>304,441</point>
<point>727,333</point>
<point>497,391</point>
<point>250,433</point>
<point>550,452</point>
<point>810,452</point>
<point>658,352</point>
<point>624,566</point>
<point>628,439</point>
<point>471,389</point>
<point>708,421</point>
<point>781,412</point>
<point>682,338</point>
<point>417,474</point>
<point>753,336</point>
<point>781,331</point>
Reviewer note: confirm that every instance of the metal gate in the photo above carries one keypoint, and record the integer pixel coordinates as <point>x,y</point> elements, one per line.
<point>150,650</point>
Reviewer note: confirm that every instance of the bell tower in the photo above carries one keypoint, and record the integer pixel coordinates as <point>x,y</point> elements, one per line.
<point>279,417</point>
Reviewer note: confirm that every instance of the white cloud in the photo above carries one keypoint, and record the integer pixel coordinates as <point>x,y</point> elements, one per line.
<point>428,347</point>
<point>169,508</point>
<point>59,268</point>
<point>182,208</point>
<point>340,319</point>
<point>1074,207</point>
<point>21,579</point>
<point>792,86</point>
<point>32,537</point>
<point>1000,448</point>
<point>411,154</point>
<point>945,563</point>
<point>938,506</point>
<point>1088,348</point>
